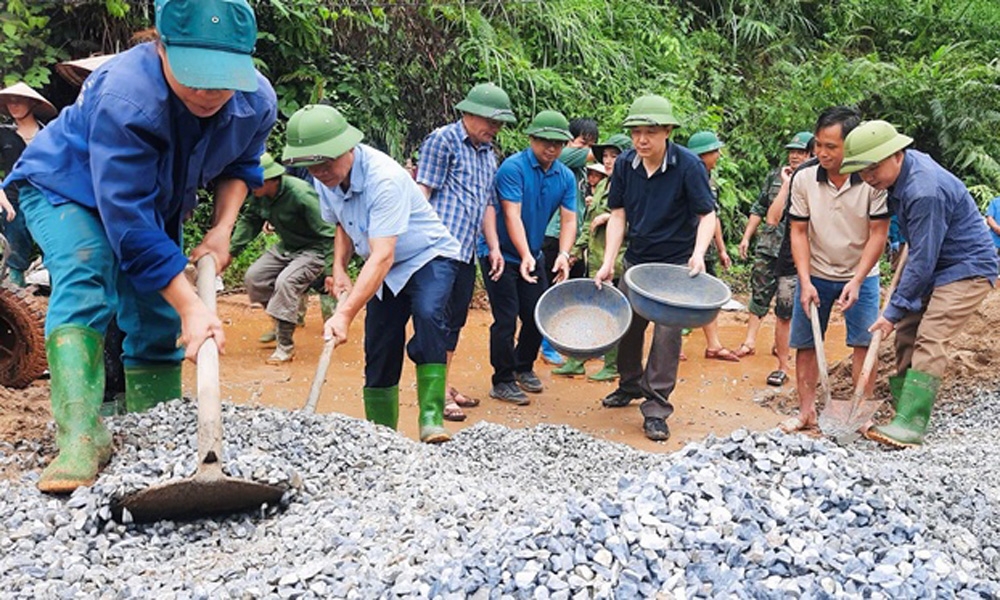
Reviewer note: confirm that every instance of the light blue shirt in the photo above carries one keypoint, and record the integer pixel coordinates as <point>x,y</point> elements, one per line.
<point>384,201</point>
<point>993,210</point>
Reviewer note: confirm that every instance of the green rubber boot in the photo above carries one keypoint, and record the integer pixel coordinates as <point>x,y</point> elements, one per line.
<point>382,405</point>
<point>916,400</point>
<point>570,368</point>
<point>152,384</point>
<point>16,277</point>
<point>430,397</point>
<point>896,387</point>
<point>610,370</point>
<point>76,365</point>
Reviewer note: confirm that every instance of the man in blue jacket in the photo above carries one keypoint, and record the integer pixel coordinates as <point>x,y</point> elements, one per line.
<point>951,267</point>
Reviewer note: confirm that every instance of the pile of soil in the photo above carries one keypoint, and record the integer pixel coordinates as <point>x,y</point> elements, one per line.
<point>24,422</point>
<point>974,363</point>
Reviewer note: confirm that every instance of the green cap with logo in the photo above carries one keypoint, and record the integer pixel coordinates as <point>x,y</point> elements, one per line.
<point>271,168</point>
<point>651,110</point>
<point>315,133</point>
<point>209,42</point>
<point>800,141</point>
<point>618,141</point>
<point>488,100</point>
<point>550,125</point>
<point>871,142</point>
<point>704,142</point>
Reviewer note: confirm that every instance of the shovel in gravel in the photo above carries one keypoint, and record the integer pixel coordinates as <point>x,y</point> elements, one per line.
<point>834,411</point>
<point>864,408</point>
<point>209,491</point>
<point>321,368</point>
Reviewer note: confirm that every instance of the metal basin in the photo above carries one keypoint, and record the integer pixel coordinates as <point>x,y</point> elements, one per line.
<point>667,295</point>
<point>582,321</point>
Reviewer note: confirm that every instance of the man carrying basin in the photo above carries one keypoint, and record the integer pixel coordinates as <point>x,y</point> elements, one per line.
<point>660,192</point>
<point>950,269</point>
<point>410,262</point>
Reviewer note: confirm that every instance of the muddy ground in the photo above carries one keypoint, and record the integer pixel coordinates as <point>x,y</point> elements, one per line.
<point>712,397</point>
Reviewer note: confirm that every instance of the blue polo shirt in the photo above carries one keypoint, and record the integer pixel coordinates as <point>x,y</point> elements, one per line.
<point>662,210</point>
<point>949,240</point>
<point>384,201</point>
<point>520,179</point>
<point>993,210</point>
<point>129,148</point>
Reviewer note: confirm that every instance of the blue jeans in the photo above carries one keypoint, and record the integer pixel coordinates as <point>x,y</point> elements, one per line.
<point>18,239</point>
<point>425,297</point>
<point>858,318</point>
<point>88,286</point>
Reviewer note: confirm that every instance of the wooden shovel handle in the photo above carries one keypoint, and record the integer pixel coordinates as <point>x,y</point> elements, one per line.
<point>817,330</point>
<point>209,402</point>
<point>321,368</point>
<point>872,355</point>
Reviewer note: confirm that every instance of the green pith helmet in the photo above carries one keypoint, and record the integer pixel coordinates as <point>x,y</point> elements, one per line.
<point>271,168</point>
<point>315,133</point>
<point>704,142</point>
<point>651,110</point>
<point>618,141</point>
<point>550,125</point>
<point>871,142</point>
<point>800,141</point>
<point>488,100</point>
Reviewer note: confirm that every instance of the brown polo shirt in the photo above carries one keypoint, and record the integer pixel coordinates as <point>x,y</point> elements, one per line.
<point>838,220</point>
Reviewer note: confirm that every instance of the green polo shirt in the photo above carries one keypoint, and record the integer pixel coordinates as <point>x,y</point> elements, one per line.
<point>294,214</point>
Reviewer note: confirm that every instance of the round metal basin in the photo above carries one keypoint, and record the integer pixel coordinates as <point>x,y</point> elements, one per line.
<point>667,295</point>
<point>582,321</point>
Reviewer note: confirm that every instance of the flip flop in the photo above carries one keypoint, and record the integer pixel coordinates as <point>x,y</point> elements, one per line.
<point>452,411</point>
<point>745,350</point>
<point>796,424</point>
<point>721,354</point>
<point>460,399</point>
<point>777,378</point>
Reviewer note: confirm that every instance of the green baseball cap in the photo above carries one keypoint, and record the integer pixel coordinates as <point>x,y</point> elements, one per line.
<point>315,133</point>
<point>488,100</point>
<point>871,142</point>
<point>271,168</point>
<point>704,142</point>
<point>209,42</point>
<point>651,110</point>
<point>800,141</point>
<point>550,125</point>
<point>618,141</point>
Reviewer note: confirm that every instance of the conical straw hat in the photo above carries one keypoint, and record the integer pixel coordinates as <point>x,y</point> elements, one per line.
<point>75,71</point>
<point>43,108</point>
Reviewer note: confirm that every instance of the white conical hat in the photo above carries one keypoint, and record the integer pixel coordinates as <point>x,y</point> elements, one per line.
<point>75,71</point>
<point>43,108</point>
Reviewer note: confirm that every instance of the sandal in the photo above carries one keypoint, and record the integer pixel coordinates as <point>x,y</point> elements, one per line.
<point>452,411</point>
<point>745,350</point>
<point>460,399</point>
<point>777,378</point>
<point>796,424</point>
<point>721,354</point>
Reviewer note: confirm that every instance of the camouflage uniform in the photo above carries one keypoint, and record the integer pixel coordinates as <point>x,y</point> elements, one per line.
<point>763,282</point>
<point>712,253</point>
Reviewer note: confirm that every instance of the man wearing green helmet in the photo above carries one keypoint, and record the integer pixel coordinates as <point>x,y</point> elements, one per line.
<point>531,186</point>
<point>456,170</point>
<point>950,269</point>
<point>410,262</point>
<point>660,192</point>
<point>280,278</point>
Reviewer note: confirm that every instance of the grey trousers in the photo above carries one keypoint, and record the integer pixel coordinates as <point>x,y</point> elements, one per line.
<point>656,381</point>
<point>278,280</point>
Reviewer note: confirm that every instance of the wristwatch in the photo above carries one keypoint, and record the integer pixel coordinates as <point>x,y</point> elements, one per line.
<point>564,253</point>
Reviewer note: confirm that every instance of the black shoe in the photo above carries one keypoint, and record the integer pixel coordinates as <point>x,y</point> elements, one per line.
<point>656,429</point>
<point>617,399</point>
<point>507,391</point>
<point>529,382</point>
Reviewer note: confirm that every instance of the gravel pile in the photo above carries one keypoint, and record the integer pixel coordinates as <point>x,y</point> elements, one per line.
<point>540,513</point>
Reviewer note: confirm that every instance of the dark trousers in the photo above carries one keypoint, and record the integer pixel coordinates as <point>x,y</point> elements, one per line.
<point>511,297</point>
<point>425,297</point>
<point>458,302</point>
<point>550,249</point>
<point>657,380</point>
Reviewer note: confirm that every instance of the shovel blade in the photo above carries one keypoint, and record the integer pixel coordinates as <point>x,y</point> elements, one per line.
<point>833,419</point>
<point>207,493</point>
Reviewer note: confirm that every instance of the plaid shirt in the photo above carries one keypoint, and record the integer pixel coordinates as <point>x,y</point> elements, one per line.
<point>461,179</point>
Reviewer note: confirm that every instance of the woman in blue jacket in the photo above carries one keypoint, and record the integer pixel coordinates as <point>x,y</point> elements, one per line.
<point>105,189</point>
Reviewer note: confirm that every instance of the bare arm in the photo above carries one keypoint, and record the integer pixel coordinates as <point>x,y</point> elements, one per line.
<point>614,235</point>
<point>518,237</point>
<point>567,237</point>
<point>426,190</point>
<point>752,224</point>
<point>370,279</point>
<point>197,322</point>
<point>801,255</point>
<point>493,242</point>
<point>706,232</point>
<point>878,231</point>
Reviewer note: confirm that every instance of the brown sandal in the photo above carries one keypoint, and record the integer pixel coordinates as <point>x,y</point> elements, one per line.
<point>721,354</point>
<point>745,350</point>
<point>452,411</point>
<point>460,399</point>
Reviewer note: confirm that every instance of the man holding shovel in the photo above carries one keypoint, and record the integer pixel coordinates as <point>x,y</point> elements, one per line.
<point>410,263</point>
<point>839,226</point>
<point>951,267</point>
